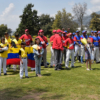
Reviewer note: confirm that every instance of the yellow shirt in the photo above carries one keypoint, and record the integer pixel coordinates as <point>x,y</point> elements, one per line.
<point>5,53</point>
<point>18,43</point>
<point>8,41</point>
<point>23,53</point>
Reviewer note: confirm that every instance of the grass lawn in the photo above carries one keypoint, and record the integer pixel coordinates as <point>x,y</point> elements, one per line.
<point>74,84</point>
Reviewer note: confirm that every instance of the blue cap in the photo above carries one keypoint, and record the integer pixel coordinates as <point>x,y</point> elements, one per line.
<point>98,32</point>
<point>83,31</point>
<point>65,31</point>
<point>77,31</point>
<point>91,31</point>
<point>95,31</point>
<point>73,33</point>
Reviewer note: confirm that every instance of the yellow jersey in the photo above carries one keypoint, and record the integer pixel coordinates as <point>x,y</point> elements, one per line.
<point>8,41</point>
<point>18,43</point>
<point>23,53</point>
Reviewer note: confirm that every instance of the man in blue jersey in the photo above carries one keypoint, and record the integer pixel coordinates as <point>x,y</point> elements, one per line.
<point>77,45</point>
<point>92,34</point>
<point>82,46</point>
<point>96,42</point>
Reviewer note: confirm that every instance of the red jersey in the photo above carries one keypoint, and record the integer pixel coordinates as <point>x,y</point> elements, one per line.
<point>43,39</point>
<point>69,43</point>
<point>57,42</point>
<point>63,40</point>
<point>27,39</point>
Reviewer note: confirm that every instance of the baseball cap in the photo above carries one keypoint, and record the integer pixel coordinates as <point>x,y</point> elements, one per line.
<point>41,31</point>
<point>16,34</point>
<point>58,31</point>
<point>77,31</point>
<point>54,31</point>
<point>91,31</point>
<point>69,34</point>
<point>65,31</point>
<point>95,31</point>
<point>26,30</point>
<point>98,32</point>
<point>83,31</point>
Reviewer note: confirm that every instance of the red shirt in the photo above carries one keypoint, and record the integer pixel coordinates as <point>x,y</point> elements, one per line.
<point>51,38</point>
<point>27,39</point>
<point>70,43</point>
<point>57,42</point>
<point>63,40</point>
<point>43,39</point>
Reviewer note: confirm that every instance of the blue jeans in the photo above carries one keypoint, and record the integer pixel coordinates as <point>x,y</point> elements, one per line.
<point>38,64</point>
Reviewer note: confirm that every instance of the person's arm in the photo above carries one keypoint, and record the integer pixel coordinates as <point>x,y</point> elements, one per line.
<point>20,56</point>
<point>42,51</point>
<point>21,37</point>
<point>36,52</point>
<point>5,48</point>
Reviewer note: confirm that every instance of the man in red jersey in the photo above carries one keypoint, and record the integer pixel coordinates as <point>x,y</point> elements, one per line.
<point>64,37</point>
<point>26,38</point>
<point>58,48</point>
<point>44,43</point>
<point>70,51</point>
<point>52,50</point>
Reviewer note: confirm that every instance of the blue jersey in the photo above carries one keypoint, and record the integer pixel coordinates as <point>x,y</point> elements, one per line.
<point>90,36</point>
<point>78,39</point>
<point>99,37</point>
<point>96,41</point>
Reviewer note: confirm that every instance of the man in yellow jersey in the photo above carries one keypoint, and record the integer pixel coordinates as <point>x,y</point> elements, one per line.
<point>16,43</point>
<point>3,55</point>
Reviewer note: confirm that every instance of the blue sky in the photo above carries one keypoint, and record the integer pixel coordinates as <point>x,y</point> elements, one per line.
<point>10,10</point>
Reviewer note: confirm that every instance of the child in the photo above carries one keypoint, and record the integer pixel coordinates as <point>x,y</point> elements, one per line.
<point>88,54</point>
<point>23,60</point>
<point>3,55</point>
<point>38,51</point>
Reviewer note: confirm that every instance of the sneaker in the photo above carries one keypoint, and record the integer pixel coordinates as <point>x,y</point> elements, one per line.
<point>5,73</point>
<point>91,69</point>
<point>40,75</point>
<point>67,67</point>
<point>46,67</point>
<point>51,66</point>
<point>21,77</point>
<point>26,77</point>
<point>72,66</point>
<point>88,69</point>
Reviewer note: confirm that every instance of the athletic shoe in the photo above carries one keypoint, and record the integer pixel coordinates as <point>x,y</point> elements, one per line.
<point>91,69</point>
<point>21,77</point>
<point>26,77</point>
<point>5,73</point>
<point>72,66</point>
<point>51,66</point>
<point>88,69</point>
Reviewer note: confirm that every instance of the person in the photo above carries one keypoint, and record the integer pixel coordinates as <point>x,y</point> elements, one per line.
<point>82,46</point>
<point>70,51</point>
<point>16,43</point>
<point>88,54</point>
<point>58,48</point>
<point>44,43</point>
<point>52,50</point>
<point>3,55</point>
<point>96,42</point>
<point>23,60</point>
<point>77,46</point>
<point>92,34</point>
<point>28,40</point>
<point>64,37</point>
<point>38,52</point>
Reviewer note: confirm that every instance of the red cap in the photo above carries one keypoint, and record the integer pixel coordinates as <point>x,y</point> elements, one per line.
<point>26,30</point>
<point>58,31</point>
<point>69,34</point>
<point>41,31</point>
<point>54,31</point>
<point>64,32</point>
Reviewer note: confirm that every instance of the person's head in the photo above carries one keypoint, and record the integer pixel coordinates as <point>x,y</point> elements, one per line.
<point>17,36</point>
<point>26,31</point>
<point>70,35</point>
<point>23,44</point>
<point>89,40</point>
<point>37,41</point>
<point>64,33</point>
<point>54,31</point>
<point>59,32</point>
<point>3,40</point>
<point>6,35</point>
<point>68,30</point>
<point>84,32</point>
<point>63,29</point>
<point>77,33</point>
<point>95,33</point>
<point>98,33</point>
<point>41,32</point>
<point>92,33</point>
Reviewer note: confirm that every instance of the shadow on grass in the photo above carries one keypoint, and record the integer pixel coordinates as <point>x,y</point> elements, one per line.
<point>77,66</point>
<point>96,68</point>
<point>48,74</point>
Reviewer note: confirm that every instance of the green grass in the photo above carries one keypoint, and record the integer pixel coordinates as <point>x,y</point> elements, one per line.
<point>74,84</point>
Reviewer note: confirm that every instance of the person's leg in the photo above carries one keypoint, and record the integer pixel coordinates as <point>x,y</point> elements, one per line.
<point>52,53</point>
<point>59,58</point>
<point>14,67</point>
<point>25,64</point>
<point>94,52</point>
<point>87,64</point>
<point>44,58</point>
<point>64,54</point>
<point>21,69</point>
<point>82,53</point>
<point>90,64</point>
<point>97,54</point>
<point>36,65</point>
<point>79,55</point>
<point>67,58</point>
<point>4,65</point>
<point>40,65</point>
<point>1,60</point>
<point>76,51</point>
<point>72,58</point>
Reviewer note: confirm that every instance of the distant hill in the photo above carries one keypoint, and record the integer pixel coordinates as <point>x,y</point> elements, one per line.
<point>86,19</point>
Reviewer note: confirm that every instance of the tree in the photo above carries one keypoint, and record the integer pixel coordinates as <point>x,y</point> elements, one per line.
<point>95,21</point>
<point>79,11</point>
<point>3,29</point>
<point>64,20</point>
<point>29,20</point>
<point>45,22</point>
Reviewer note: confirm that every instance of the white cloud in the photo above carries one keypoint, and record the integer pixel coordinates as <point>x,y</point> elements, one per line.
<point>95,2</point>
<point>8,18</point>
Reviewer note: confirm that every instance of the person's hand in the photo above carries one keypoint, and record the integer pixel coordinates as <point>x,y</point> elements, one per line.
<point>0,48</point>
<point>93,49</point>
<point>46,45</point>
<point>39,55</point>
<point>43,42</point>
<point>79,45</point>
<point>21,62</point>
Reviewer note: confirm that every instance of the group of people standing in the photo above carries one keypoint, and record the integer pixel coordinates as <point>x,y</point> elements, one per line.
<point>63,45</point>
